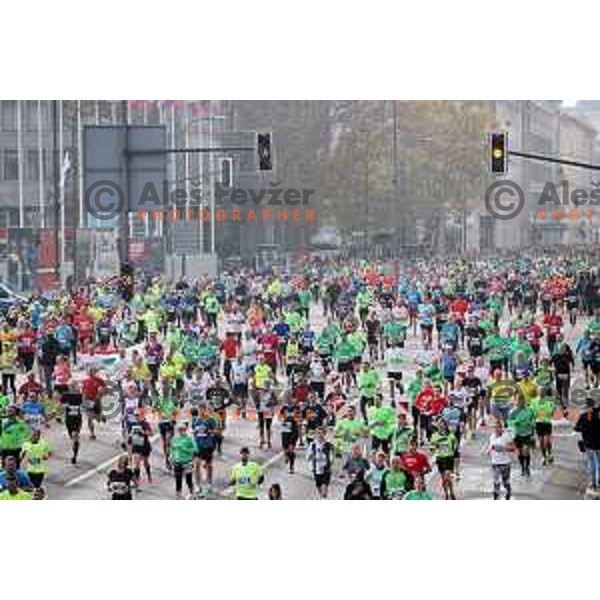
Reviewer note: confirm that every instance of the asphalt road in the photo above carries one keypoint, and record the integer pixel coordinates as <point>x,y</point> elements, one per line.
<point>563,480</point>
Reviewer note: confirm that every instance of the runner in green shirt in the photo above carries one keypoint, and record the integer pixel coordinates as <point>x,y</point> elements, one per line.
<point>434,373</point>
<point>324,345</point>
<point>420,492</point>
<point>167,416</point>
<point>382,423</point>
<point>364,298</point>
<point>369,382</point>
<point>394,333</point>
<point>34,454</point>
<point>544,407</point>
<point>395,482</point>
<point>294,320</point>
<point>246,476</point>
<point>4,404</point>
<point>344,354</point>
<point>412,391</point>
<point>211,308</point>
<point>14,433</point>
<point>402,435</point>
<point>359,342</point>
<point>521,353</point>
<point>521,421</point>
<point>543,375</point>
<point>181,455</point>
<point>444,447</point>
<point>348,431</point>
<point>495,347</point>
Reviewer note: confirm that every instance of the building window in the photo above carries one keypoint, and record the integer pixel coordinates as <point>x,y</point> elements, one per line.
<point>32,217</point>
<point>11,165</point>
<point>9,115</point>
<point>9,218</point>
<point>32,166</point>
<point>30,112</point>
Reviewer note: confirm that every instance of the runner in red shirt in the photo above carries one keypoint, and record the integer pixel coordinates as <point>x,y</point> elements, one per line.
<point>230,347</point>
<point>85,330</point>
<point>415,462</point>
<point>270,343</point>
<point>553,323</point>
<point>26,347</point>
<point>90,389</point>
<point>31,386</point>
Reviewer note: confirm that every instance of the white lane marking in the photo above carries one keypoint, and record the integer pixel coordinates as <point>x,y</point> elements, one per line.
<point>99,468</point>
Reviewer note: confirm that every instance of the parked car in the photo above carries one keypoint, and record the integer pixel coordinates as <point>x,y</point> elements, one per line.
<point>8,298</point>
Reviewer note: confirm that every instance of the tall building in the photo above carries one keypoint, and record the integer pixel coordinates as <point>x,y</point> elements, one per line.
<point>577,141</point>
<point>533,126</point>
<point>33,133</point>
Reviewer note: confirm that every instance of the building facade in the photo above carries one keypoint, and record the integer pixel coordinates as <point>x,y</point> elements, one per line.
<point>543,128</point>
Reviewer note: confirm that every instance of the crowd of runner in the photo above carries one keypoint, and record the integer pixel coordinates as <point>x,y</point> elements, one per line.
<point>495,362</point>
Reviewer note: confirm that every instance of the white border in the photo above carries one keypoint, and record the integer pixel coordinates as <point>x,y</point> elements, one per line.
<point>308,50</point>
<point>316,49</point>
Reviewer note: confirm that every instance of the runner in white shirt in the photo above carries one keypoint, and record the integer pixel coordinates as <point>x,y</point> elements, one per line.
<point>239,378</point>
<point>195,387</point>
<point>121,366</point>
<point>249,351</point>
<point>235,322</point>
<point>500,447</point>
<point>317,377</point>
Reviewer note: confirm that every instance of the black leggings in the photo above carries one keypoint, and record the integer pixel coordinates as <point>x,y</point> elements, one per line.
<point>8,379</point>
<point>364,404</point>
<point>180,473</point>
<point>265,421</point>
<point>36,479</point>
<point>27,359</point>
<point>563,384</point>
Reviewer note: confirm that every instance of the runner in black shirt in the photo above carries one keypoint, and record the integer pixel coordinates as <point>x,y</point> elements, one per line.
<point>219,397</point>
<point>291,418</point>
<point>73,401</point>
<point>120,480</point>
<point>314,416</point>
<point>476,394</point>
<point>373,327</point>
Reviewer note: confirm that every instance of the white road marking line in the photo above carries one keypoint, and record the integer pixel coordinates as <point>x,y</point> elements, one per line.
<point>99,468</point>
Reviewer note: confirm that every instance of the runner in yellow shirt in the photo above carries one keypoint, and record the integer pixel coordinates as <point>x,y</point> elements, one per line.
<point>246,476</point>
<point>34,453</point>
<point>13,491</point>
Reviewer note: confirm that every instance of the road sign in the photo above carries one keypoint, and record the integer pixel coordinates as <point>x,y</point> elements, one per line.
<point>112,167</point>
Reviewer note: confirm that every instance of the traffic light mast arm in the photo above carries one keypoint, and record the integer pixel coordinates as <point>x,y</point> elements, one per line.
<point>191,150</point>
<point>561,161</point>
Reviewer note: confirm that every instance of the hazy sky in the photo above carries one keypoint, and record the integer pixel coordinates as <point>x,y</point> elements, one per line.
<point>569,102</point>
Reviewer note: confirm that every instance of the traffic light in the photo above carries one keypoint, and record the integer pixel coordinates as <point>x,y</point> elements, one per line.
<point>126,269</point>
<point>499,153</point>
<point>265,159</point>
<point>227,172</point>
